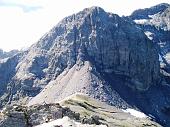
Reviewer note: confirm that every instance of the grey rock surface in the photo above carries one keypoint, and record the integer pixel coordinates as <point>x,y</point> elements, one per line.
<point>4,54</point>
<point>101,54</point>
<point>110,43</point>
<point>79,107</point>
<point>156,25</point>
<point>146,12</point>
<point>23,116</point>
<point>155,22</point>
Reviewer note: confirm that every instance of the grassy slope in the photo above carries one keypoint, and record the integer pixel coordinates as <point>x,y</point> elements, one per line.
<point>109,115</point>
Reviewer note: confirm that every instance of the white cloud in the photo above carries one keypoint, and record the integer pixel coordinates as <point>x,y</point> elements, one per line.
<point>19,28</point>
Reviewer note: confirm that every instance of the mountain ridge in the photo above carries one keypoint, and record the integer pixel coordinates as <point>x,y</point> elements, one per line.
<point>108,57</point>
<point>83,37</point>
<point>79,109</point>
<point>144,13</point>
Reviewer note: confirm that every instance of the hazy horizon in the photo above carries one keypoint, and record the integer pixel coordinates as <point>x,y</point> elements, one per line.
<point>24,22</point>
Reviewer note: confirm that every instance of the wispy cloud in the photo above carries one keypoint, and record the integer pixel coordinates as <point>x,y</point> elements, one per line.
<point>24,7</point>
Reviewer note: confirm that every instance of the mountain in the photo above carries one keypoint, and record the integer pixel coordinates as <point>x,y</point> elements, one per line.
<point>77,110</point>
<point>4,54</point>
<point>155,22</point>
<point>78,45</point>
<point>107,57</point>
<point>147,12</point>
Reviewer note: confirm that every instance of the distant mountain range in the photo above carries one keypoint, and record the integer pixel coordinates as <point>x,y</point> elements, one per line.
<point>122,61</point>
<point>4,54</point>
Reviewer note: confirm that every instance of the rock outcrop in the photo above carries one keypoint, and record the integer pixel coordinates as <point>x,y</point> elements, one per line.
<point>4,54</point>
<point>78,108</point>
<point>147,12</point>
<point>155,22</point>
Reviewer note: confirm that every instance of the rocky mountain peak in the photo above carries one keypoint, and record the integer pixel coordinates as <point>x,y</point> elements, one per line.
<point>4,54</point>
<point>69,25</point>
<point>93,9</point>
<point>110,44</point>
<point>107,57</point>
<point>147,12</point>
<point>156,27</point>
<point>91,31</point>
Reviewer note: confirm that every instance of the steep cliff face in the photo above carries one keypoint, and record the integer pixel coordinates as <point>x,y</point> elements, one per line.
<point>105,56</point>
<point>156,25</point>
<point>147,12</point>
<point>155,22</point>
<point>111,44</point>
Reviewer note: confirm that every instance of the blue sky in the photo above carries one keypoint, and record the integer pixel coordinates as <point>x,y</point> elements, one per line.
<point>23,22</point>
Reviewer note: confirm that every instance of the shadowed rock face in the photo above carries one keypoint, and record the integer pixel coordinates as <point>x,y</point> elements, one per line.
<point>144,13</point>
<point>155,22</point>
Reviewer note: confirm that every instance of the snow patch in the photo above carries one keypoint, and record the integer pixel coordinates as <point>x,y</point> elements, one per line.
<point>4,60</point>
<point>167,57</point>
<point>149,35</point>
<point>135,113</point>
<point>140,21</point>
<point>160,58</point>
<point>151,16</point>
<point>67,122</point>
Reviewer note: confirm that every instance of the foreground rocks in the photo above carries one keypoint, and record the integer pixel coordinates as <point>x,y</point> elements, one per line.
<point>79,108</point>
<point>23,116</point>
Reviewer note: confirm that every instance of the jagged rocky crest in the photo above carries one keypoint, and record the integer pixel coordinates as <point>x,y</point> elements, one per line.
<point>145,13</point>
<point>108,57</point>
<point>4,54</point>
<point>155,23</point>
<point>110,44</point>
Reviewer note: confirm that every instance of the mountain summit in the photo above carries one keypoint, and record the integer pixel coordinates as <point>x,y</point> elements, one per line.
<point>94,52</point>
<point>147,12</point>
<point>79,51</point>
